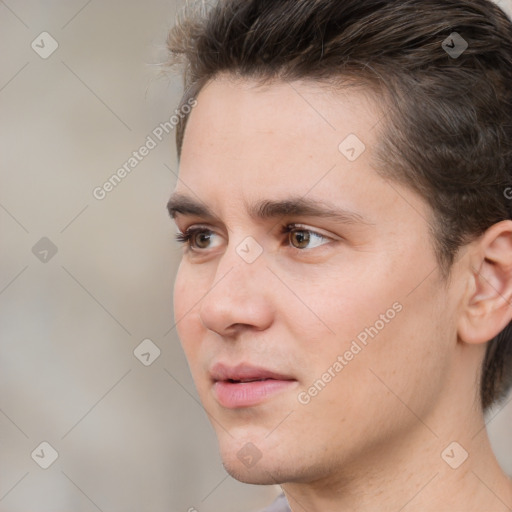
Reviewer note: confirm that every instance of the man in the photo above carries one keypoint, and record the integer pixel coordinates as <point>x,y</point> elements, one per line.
<point>343,297</point>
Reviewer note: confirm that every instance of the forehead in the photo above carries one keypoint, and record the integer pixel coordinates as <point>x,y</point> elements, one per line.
<point>245,142</point>
<point>245,133</point>
<point>280,116</point>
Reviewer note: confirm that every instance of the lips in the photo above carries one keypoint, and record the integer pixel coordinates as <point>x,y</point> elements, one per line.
<point>244,373</point>
<point>245,385</point>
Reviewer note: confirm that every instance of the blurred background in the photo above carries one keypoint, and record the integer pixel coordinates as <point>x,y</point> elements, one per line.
<point>98,410</point>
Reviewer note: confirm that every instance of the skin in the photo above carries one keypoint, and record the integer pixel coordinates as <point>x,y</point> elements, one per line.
<point>372,438</point>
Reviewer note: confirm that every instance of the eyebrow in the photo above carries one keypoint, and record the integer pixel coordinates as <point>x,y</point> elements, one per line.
<point>269,209</point>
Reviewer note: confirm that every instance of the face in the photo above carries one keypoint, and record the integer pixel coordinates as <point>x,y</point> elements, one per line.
<point>339,314</point>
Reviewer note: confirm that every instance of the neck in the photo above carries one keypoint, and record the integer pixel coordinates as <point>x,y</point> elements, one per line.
<point>422,472</point>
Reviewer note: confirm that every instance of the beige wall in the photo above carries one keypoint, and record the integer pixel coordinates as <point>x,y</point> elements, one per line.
<point>129,437</point>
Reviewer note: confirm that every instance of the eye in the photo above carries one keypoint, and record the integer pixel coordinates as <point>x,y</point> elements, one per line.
<point>195,238</point>
<point>305,238</point>
<point>298,237</point>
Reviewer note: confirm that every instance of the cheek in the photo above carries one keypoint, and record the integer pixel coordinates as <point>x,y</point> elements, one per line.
<point>352,307</point>
<point>179,293</point>
<point>185,314</point>
<point>401,357</point>
<point>389,339</point>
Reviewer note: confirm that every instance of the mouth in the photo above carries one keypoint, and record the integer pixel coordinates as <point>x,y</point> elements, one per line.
<point>246,385</point>
<point>245,380</point>
<point>244,372</point>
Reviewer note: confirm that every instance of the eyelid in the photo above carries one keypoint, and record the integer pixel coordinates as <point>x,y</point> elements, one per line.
<point>187,234</point>
<point>287,225</point>
<point>183,237</point>
<point>291,226</point>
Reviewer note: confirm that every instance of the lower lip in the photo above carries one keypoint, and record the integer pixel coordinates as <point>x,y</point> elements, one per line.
<point>246,394</point>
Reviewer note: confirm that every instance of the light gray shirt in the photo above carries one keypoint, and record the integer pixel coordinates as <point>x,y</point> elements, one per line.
<point>280,504</point>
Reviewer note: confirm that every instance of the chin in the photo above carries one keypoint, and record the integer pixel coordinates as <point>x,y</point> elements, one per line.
<point>258,464</point>
<point>260,474</point>
<point>250,476</point>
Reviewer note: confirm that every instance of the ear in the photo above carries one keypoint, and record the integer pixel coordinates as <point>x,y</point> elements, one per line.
<point>487,307</point>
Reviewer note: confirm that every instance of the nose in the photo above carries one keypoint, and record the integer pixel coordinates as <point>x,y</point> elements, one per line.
<point>239,296</point>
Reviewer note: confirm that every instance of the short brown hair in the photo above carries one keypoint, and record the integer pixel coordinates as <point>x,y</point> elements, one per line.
<point>448,126</point>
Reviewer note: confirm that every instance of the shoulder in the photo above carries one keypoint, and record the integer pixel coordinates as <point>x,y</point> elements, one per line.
<point>280,504</point>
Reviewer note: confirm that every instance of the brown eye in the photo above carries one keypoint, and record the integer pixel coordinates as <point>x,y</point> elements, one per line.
<point>302,237</point>
<point>201,239</point>
<point>195,239</point>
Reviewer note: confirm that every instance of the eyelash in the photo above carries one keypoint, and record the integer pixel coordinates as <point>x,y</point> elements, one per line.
<point>187,236</point>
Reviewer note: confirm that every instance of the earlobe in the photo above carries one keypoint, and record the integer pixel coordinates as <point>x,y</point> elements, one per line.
<point>487,309</point>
